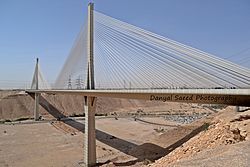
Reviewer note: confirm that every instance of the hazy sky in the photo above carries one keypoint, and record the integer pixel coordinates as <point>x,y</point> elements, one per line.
<point>48,28</point>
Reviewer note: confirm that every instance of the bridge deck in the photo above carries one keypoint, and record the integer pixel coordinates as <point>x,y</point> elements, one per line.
<point>239,97</point>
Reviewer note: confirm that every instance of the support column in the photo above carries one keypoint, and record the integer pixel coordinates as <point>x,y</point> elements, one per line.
<point>36,110</point>
<point>90,135</point>
<point>37,95</point>
<point>237,108</point>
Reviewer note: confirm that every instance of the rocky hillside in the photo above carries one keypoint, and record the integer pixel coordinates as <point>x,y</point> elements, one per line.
<point>225,142</point>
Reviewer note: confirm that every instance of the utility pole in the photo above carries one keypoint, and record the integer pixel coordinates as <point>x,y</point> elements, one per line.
<point>124,84</point>
<point>90,102</point>
<point>79,83</point>
<point>37,95</point>
<point>69,83</point>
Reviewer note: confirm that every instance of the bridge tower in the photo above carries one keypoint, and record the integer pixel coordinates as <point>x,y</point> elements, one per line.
<point>37,95</point>
<point>90,102</point>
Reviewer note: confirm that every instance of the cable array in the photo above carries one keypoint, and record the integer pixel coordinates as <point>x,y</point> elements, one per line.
<point>128,57</point>
<point>42,82</point>
<point>74,71</point>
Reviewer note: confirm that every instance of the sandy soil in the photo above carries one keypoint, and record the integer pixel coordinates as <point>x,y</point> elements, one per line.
<point>123,142</point>
<point>38,145</point>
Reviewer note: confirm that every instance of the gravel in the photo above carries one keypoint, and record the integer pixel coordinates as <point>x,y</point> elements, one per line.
<point>185,119</point>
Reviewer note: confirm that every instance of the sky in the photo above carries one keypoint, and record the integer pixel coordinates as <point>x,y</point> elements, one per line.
<point>47,29</point>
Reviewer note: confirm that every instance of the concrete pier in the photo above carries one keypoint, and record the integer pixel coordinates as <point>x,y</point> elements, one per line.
<point>90,135</point>
<point>36,109</point>
<point>37,95</point>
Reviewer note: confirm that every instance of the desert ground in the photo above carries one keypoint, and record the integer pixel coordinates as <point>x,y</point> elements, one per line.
<point>128,133</point>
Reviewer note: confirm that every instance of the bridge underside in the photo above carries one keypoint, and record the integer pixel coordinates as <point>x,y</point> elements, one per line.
<point>236,97</point>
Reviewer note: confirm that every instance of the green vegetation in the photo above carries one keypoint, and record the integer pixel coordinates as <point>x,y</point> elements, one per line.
<point>21,119</point>
<point>205,126</point>
<point>15,120</point>
<point>4,120</point>
<point>77,115</point>
<point>101,114</point>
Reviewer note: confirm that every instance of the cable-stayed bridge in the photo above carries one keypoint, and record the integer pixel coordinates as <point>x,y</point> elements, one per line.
<point>111,58</point>
<point>131,60</point>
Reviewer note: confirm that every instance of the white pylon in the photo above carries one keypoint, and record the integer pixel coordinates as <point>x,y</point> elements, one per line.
<point>90,102</point>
